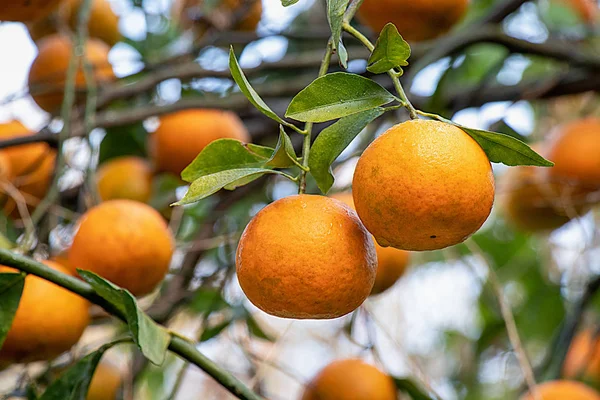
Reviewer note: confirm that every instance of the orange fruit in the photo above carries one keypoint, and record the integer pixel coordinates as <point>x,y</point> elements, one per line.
<point>534,205</point>
<point>564,390</point>
<point>391,263</point>
<point>306,257</point>
<point>48,322</point>
<point>574,148</point>
<point>583,357</point>
<point>48,72</point>
<point>103,23</point>
<point>26,10</point>
<point>423,185</point>
<point>31,166</point>
<point>105,382</point>
<point>181,136</point>
<point>188,14</point>
<point>350,379</point>
<point>126,242</point>
<point>415,20</point>
<point>125,178</point>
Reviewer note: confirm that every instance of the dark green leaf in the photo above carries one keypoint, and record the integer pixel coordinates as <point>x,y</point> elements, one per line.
<point>287,3</point>
<point>238,76</point>
<point>11,288</point>
<point>335,16</point>
<point>332,141</point>
<point>151,338</point>
<point>335,96</point>
<point>75,382</point>
<point>412,389</point>
<point>255,329</point>
<point>127,140</point>
<point>284,154</point>
<point>207,301</point>
<point>391,51</point>
<point>221,155</point>
<point>213,331</point>
<point>207,185</point>
<point>501,148</point>
<point>105,289</point>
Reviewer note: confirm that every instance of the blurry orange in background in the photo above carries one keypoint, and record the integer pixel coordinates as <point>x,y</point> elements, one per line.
<point>125,178</point>
<point>48,72</point>
<point>583,358</point>
<point>26,10</point>
<point>244,15</point>
<point>564,390</point>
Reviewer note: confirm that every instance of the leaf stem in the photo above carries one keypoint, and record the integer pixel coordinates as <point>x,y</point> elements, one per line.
<point>394,75</point>
<point>179,346</point>
<point>309,125</point>
<point>351,10</point>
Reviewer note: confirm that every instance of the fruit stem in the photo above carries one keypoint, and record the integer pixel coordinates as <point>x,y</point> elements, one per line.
<point>395,76</point>
<point>309,125</point>
<point>177,345</point>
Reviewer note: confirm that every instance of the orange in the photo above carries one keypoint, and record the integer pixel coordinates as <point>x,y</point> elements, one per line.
<point>48,72</point>
<point>25,10</point>
<point>103,23</point>
<point>564,390</point>
<point>189,13</point>
<point>181,136</point>
<point>105,382</point>
<point>533,204</point>
<point>48,322</point>
<point>415,20</point>
<point>306,257</point>
<point>423,185</point>
<point>583,358</point>
<point>125,178</point>
<point>350,379</point>
<point>391,263</point>
<point>574,148</point>
<point>126,242</point>
<point>31,165</point>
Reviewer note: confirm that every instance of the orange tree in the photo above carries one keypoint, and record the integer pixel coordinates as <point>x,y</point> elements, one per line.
<point>236,138</point>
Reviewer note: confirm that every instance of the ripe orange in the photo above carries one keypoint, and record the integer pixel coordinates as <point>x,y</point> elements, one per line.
<point>49,69</point>
<point>583,357</point>
<point>125,178</point>
<point>415,20</point>
<point>126,242</point>
<point>391,263</point>
<point>181,136</point>
<point>574,148</point>
<point>533,204</point>
<point>188,13</point>
<point>564,390</point>
<point>423,185</point>
<point>350,379</point>
<point>306,257</point>
<point>103,23</point>
<point>48,322</point>
<point>105,382</point>
<point>31,166</point>
<point>26,10</point>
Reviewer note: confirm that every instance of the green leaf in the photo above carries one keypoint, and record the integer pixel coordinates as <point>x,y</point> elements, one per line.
<point>151,338</point>
<point>391,51</point>
<point>238,76</point>
<point>262,151</point>
<point>211,332</point>
<point>11,288</point>
<point>335,15</point>
<point>343,55</point>
<point>75,382</point>
<point>207,185</point>
<point>505,149</point>
<point>208,301</point>
<point>287,3</point>
<point>221,155</point>
<point>255,329</point>
<point>332,141</point>
<point>412,389</point>
<point>335,96</point>
<point>284,154</point>
<point>129,140</point>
